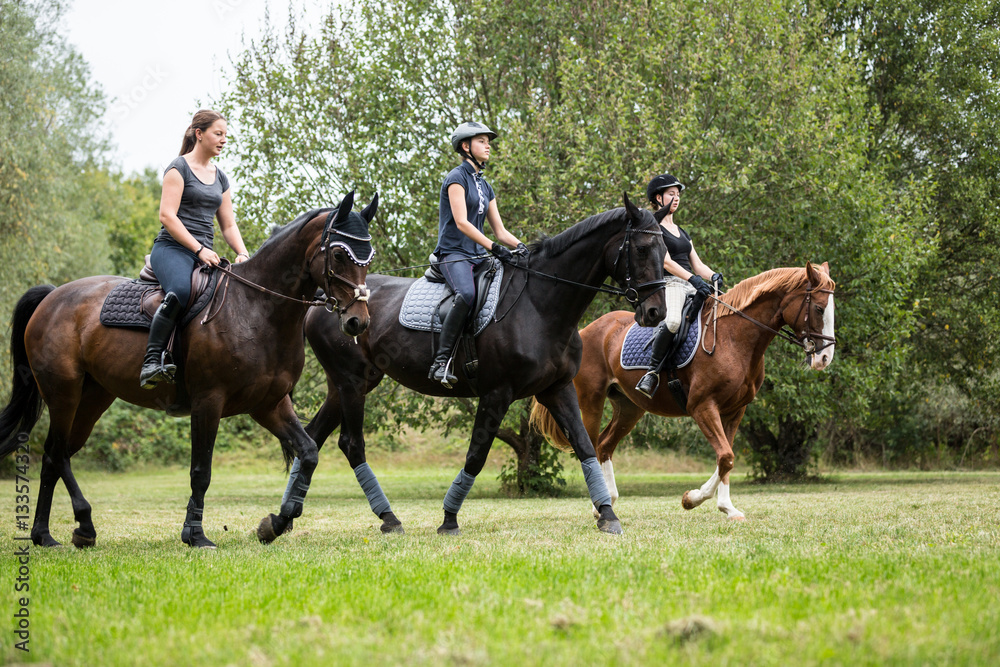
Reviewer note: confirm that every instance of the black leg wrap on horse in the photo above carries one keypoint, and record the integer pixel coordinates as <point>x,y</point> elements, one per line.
<point>155,367</point>
<point>451,329</point>
<point>192,533</point>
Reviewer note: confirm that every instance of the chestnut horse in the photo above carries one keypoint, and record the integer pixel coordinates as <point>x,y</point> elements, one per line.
<point>531,349</point>
<point>243,357</point>
<point>722,379</point>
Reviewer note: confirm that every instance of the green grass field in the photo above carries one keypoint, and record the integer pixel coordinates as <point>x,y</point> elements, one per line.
<point>860,569</point>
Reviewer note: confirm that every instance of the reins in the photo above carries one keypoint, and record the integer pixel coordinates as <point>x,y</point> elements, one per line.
<point>805,341</point>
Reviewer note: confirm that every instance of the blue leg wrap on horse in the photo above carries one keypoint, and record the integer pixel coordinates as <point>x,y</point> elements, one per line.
<point>293,475</point>
<point>459,490</point>
<point>369,484</point>
<point>595,482</point>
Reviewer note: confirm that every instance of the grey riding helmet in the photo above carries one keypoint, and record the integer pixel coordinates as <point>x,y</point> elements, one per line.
<point>660,183</point>
<point>466,131</point>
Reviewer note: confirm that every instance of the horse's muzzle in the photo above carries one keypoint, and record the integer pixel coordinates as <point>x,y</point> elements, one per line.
<point>354,325</point>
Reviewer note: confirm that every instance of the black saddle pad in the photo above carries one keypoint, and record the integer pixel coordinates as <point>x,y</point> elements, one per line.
<point>123,307</point>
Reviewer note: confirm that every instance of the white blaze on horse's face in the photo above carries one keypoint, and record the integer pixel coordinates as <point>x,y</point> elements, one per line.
<point>822,359</point>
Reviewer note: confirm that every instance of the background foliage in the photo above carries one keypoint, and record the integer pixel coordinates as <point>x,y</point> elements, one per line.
<point>859,132</point>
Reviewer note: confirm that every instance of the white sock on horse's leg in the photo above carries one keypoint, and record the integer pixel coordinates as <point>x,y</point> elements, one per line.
<point>609,478</point>
<point>697,496</point>
<point>725,505</point>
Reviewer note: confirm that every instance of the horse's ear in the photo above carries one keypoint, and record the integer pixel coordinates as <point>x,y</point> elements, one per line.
<point>826,268</point>
<point>812,274</point>
<point>633,212</point>
<point>369,211</point>
<point>345,207</point>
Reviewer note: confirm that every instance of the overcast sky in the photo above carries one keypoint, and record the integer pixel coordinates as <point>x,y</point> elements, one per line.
<point>157,60</point>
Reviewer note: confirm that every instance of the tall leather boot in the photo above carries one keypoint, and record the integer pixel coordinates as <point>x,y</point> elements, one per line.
<point>451,329</point>
<point>155,367</point>
<point>650,381</point>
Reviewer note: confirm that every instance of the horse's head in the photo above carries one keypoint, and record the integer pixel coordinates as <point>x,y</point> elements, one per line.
<point>340,263</point>
<point>810,315</point>
<point>635,258</point>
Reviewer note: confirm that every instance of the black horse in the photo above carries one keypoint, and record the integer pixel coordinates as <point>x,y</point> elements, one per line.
<point>532,350</point>
<point>243,357</point>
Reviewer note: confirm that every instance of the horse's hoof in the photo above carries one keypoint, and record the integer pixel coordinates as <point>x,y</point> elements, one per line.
<point>45,540</point>
<point>686,502</point>
<point>392,528</point>
<point>81,541</point>
<point>271,527</point>
<point>445,529</point>
<point>610,526</point>
<point>737,517</point>
<point>196,540</point>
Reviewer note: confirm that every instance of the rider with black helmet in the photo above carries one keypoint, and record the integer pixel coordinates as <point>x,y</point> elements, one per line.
<point>687,273</point>
<point>467,202</point>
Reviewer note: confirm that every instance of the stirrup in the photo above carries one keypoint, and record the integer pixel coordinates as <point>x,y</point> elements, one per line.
<point>442,374</point>
<point>648,384</point>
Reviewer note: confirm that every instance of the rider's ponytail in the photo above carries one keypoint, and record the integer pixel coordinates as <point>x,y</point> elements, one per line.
<point>201,121</point>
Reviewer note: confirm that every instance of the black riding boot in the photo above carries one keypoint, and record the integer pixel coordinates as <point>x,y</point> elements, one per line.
<point>451,329</point>
<point>651,380</point>
<point>154,365</point>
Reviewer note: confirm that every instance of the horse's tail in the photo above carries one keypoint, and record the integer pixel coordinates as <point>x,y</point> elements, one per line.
<point>25,405</point>
<point>541,420</point>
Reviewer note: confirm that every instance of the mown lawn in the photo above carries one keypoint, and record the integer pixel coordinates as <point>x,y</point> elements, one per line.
<point>861,569</point>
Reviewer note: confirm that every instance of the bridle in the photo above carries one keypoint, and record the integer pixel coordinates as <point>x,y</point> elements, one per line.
<point>630,293</point>
<point>326,247</point>
<point>804,339</point>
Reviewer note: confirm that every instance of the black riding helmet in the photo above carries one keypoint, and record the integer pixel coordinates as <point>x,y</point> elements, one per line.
<point>660,183</point>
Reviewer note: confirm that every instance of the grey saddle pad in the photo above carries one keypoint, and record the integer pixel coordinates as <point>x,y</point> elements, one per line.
<point>420,305</point>
<point>636,350</point>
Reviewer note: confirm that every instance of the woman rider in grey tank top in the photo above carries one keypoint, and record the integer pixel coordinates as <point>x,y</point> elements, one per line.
<point>195,192</point>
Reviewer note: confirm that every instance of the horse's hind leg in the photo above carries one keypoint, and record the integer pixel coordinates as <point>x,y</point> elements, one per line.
<point>492,409</point>
<point>93,404</point>
<point>282,421</point>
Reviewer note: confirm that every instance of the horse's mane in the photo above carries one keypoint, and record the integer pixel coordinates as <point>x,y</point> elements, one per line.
<point>278,232</point>
<point>557,244</point>
<point>747,291</point>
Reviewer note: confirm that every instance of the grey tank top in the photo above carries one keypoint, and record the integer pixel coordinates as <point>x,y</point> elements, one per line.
<point>199,202</point>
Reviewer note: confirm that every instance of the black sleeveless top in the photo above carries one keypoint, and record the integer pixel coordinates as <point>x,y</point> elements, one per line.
<point>199,202</point>
<point>679,247</point>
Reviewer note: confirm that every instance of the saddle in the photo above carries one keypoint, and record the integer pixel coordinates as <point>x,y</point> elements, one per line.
<point>133,303</point>
<point>429,299</point>
<point>637,346</point>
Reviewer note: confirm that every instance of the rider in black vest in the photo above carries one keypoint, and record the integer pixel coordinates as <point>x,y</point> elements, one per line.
<point>194,193</point>
<point>687,274</point>
<point>467,201</point>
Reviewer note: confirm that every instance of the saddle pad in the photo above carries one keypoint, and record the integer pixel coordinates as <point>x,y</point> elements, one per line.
<point>637,348</point>
<point>123,304</point>
<point>420,305</point>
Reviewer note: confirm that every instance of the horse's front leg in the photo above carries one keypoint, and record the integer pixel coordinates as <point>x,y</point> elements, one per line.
<point>723,503</point>
<point>204,429</point>
<point>492,409</point>
<point>563,406</point>
<point>284,424</point>
<point>707,416</point>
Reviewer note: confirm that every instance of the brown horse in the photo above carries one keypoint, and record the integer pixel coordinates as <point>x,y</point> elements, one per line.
<point>722,379</point>
<point>243,357</point>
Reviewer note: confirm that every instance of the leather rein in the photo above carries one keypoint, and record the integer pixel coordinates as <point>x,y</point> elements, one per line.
<point>330,302</point>
<point>806,339</point>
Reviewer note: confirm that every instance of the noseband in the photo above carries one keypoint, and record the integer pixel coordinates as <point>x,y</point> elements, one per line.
<point>326,247</point>
<point>631,293</point>
<point>807,339</point>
